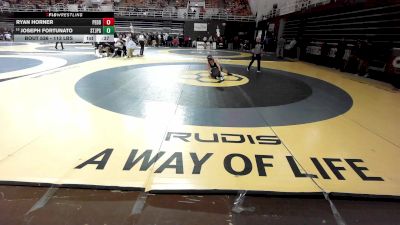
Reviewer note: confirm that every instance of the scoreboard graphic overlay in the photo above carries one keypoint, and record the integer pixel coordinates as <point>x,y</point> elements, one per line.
<point>64,27</point>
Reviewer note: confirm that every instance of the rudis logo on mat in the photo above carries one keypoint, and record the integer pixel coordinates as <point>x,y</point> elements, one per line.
<point>240,163</point>
<point>203,78</point>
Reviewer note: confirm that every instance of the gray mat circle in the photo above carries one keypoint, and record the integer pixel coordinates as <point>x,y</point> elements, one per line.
<point>122,90</point>
<point>14,64</point>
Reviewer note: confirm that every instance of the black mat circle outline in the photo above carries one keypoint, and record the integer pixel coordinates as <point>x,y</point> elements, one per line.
<point>122,90</point>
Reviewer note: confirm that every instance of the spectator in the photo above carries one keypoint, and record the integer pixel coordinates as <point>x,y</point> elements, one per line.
<point>130,45</point>
<point>339,54</point>
<point>186,41</point>
<point>161,38</point>
<point>170,39</point>
<point>118,47</point>
<point>299,47</point>
<point>280,46</point>
<point>7,36</point>
<point>256,55</point>
<point>363,57</point>
<point>123,37</point>
<point>353,59</point>
<point>236,42</point>
<point>194,44</point>
<point>104,49</point>
<point>181,40</point>
<point>175,42</point>
<point>141,42</point>
<point>265,43</point>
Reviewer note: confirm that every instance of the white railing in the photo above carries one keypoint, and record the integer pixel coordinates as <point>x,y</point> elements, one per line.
<point>172,15</point>
<point>291,6</point>
<point>130,11</point>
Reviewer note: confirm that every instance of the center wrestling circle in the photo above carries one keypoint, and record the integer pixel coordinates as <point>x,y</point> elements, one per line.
<point>203,78</point>
<point>274,98</point>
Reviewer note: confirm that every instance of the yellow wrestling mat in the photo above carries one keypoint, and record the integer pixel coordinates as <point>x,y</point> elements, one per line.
<point>176,129</point>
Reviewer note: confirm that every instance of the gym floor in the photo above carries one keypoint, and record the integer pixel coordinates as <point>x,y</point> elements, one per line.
<point>155,140</point>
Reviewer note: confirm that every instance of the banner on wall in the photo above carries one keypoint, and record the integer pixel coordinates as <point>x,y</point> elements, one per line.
<point>313,50</point>
<point>271,27</point>
<point>200,26</point>
<point>201,45</point>
<point>197,3</point>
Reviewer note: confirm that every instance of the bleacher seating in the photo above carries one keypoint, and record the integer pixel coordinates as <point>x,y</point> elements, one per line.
<point>334,22</point>
<point>239,10</point>
<point>181,3</point>
<point>238,7</point>
<point>145,3</point>
<point>158,3</point>
<point>135,3</point>
<point>234,7</point>
<point>212,4</point>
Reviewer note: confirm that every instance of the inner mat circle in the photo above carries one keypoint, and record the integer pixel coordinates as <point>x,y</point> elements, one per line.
<point>215,53</point>
<point>14,64</point>
<point>155,90</point>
